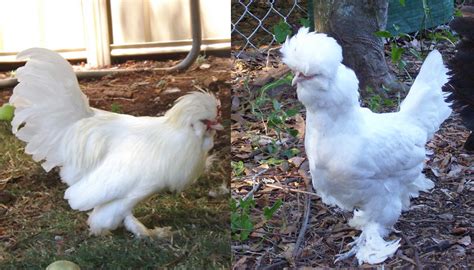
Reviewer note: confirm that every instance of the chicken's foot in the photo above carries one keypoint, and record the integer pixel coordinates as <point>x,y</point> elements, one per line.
<point>139,230</point>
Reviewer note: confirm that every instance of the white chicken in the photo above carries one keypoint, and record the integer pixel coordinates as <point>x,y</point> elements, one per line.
<point>359,160</point>
<point>110,161</point>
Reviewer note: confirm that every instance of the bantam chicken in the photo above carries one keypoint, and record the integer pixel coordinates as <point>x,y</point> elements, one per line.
<point>461,83</point>
<point>110,161</point>
<point>361,161</point>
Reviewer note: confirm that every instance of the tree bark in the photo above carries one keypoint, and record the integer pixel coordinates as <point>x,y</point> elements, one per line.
<point>353,24</point>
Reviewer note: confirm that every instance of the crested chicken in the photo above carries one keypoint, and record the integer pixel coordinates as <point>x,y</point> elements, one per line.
<point>361,161</point>
<point>110,161</point>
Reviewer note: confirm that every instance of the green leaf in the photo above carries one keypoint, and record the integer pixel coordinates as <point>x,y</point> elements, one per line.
<point>273,148</point>
<point>240,220</point>
<point>274,120</point>
<point>237,167</point>
<point>291,112</point>
<point>375,103</point>
<point>402,64</point>
<point>281,31</point>
<point>247,204</point>
<point>271,161</point>
<point>6,112</point>
<point>396,53</point>
<point>388,102</point>
<point>383,33</point>
<point>246,227</point>
<point>289,153</point>
<point>269,212</point>
<point>402,2</point>
<point>282,81</point>
<point>233,204</point>
<point>276,105</point>
<point>241,226</point>
<point>292,132</point>
<point>260,101</point>
<point>457,13</point>
<point>305,22</point>
<point>116,108</point>
<point>416,54</point>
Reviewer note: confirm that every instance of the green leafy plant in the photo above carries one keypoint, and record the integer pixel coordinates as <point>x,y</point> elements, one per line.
<point>237,167</point>
<point>305,22</point>
<point>268,212</point>
<point>444,34</point>
<point>240,220</point>
<point>116,108</point>
<point>457,12</point>
<point>396,52</point>
<point>376,102</point>
<point>281,30</point>
<point>274,117</point>
<point>292,152</point>
<point>277,118</point>
<point>271,161</point>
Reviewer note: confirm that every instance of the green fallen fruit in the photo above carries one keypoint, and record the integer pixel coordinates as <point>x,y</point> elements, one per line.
<point>6,112</point>
<point>63,265</point>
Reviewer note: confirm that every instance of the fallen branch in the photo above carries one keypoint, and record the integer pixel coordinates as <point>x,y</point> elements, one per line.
<point>426,220</point>
<point>292,190</point>
<point>255,187</point>
<point>307,210</point>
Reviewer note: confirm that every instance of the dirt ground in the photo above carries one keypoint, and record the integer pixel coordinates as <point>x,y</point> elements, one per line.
<point>37,226</point>
<point>435,233</point>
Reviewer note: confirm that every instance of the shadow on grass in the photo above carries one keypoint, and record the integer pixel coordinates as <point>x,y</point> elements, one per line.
<point>37,226</point>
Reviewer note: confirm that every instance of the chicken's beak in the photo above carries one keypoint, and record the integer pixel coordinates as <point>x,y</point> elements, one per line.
<point>296,79</point>
<point>212,124</point>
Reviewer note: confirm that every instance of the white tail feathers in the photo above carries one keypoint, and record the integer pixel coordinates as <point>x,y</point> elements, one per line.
<point>47,101</point>
<point>426,102</point>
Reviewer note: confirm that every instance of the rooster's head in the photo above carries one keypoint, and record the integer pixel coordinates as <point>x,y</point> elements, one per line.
<point>312,57</point>
<point>321,78</point>
<point>200,110</point>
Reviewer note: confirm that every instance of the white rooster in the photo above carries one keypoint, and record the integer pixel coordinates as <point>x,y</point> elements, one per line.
<point>110,161</point>
<point>359,160</point>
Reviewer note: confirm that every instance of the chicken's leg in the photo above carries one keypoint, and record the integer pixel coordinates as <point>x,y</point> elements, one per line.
<point>370,246</point>
<point>139,230</point>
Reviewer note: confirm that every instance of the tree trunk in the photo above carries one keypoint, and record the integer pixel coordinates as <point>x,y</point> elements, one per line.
<point>353,23</point>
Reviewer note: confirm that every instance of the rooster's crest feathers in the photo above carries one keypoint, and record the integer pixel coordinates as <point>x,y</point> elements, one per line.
<point>195,106</point>
<point>312,53</point>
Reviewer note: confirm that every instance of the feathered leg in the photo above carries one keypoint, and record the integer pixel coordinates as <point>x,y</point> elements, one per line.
<point>133,225</point>
<point>370,246</point>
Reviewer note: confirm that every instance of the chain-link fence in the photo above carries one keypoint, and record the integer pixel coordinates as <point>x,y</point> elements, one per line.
<point>254,21</point>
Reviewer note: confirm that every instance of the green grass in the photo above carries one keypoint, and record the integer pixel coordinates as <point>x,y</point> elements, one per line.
<point>38,215</point>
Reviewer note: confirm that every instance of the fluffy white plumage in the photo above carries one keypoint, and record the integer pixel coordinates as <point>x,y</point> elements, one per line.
<point>359,159</point>
<point>110,161</point>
